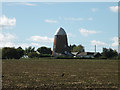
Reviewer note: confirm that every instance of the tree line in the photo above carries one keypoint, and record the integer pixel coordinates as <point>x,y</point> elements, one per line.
<point>30,52</point>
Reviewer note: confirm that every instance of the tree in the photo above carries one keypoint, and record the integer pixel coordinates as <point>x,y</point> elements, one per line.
<point>109,53</point>
<point>20,52</point>
<point>0,53</point>
<point>44,50</point>
<point>33,55</point>
<point>78,48</point>
<point>12,53</point>
<point>9,53</point>
<point>29,50</point>
<point>71,47</point>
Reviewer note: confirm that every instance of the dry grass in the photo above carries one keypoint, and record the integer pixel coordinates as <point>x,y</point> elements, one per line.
<point>60,73</point>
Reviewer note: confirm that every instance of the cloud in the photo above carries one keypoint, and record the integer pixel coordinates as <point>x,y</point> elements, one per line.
<point>94,9</point>
<point>7,22</point>
<point>22,3</point>
<point>114,8</point>
<point>90,19</point>
<point>6,40</point>
<point>115,41</point>
<point>35,44</point>
<point>41,39</point>
<point>74,19</point>
<point>51,21</point>
<point>7,44</point>
<point>85,32</point>
<point>98,43</point>
<point>28,4</point>
<point>6,37</point>
<point>71,35</point>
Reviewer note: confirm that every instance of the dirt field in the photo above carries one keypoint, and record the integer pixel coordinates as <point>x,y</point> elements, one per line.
<point>60,73</point>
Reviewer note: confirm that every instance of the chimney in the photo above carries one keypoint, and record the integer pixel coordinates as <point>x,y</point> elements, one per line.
<point>95,48</point>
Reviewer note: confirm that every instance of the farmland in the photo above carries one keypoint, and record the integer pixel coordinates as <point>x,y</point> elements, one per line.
<point>59,73</point>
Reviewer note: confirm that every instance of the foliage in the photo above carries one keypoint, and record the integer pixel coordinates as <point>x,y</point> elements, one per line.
<point>0,53</point>
<point>33,55</point>
<point>20,52</point>
<point>78,48</point>
<point>29,50</point>
<point>44,55</point>
<point>17,53</point>
<point>109,53</point>
<point>118,56</point>
<point>12,53</point>
<point>44,50</point>
<point>71,47</point>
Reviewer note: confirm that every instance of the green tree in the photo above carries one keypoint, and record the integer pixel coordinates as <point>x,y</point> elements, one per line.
<point>29,50</point>
<point>9,53</point>
<point>109,53</point>
<point>44,50</point>
<point>33,55</point>
<point>71,47</point>
<point>20,52</point>
<point>12,53</point>
<point>0,53</point>
<point>78,48</point>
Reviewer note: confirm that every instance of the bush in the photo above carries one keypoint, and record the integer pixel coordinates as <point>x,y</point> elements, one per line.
<point>33,55</point>
<point>44,55</point>
<point>109,53</point>
<point>119,56</point>
<point>64,57</point>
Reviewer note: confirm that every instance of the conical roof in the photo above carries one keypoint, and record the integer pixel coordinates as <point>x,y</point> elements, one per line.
<point>60,31</point>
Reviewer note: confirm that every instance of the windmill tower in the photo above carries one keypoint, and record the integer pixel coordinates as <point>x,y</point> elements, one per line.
<point>60,42</point>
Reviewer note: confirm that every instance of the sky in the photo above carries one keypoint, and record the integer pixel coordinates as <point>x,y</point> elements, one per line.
<point>35,23</point>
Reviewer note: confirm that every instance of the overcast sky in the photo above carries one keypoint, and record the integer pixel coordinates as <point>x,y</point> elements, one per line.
<point>34,24</point>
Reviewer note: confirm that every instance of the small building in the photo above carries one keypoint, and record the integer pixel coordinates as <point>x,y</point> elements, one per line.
<point>74,53</point>
<point>88,54</point>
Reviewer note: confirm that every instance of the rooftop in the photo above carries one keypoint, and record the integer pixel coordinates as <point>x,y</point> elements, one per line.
<point>60,31</point>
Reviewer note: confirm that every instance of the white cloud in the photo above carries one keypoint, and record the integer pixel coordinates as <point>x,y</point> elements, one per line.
<point>7,44</point>
<point>115,41</point>
<point>71,35</point>
<point>85,32</point>
<point>35,44</point>
<point>22,3</point>
<point>41,39</point>
<point>90,19</point>
<point>6,40</point>
<point>98,43</point>
<point>6,37</point>
<point>114,8</point>
<point>94,9</point>
<point>25,45</point>
<point>7,22</point>
<point>29,4</point>
<point>74,19</point>
<point>51,21</point>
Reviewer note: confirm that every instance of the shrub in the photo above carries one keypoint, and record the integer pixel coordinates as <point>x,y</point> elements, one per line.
<point>33,55</point>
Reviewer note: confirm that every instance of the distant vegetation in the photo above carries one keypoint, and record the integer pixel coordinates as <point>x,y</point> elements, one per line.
<point>74,48</point>
<point>30,52</point>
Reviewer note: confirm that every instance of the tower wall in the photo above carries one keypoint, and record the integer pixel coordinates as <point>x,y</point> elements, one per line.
<point>60,44</point>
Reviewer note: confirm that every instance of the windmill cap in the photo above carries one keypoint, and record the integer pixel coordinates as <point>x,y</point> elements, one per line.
<point>60,31</point>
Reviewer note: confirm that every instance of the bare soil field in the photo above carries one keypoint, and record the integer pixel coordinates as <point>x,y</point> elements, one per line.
<point>60,74</point>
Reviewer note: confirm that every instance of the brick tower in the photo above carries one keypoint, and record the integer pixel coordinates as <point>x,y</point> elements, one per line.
<point>60,45</point>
